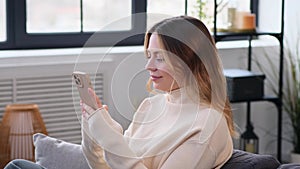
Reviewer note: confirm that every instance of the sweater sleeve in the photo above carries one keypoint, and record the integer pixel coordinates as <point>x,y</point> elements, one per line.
<point>91,150</point>
<point>106,133</point>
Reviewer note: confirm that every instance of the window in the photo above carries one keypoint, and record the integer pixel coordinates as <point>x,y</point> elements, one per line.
<point>160,9</point>
<point>31,24</point>
<point>203,9</point>
<point>70,23</point>
<point>157,12</point>
<point>2,21</point>
<point>50,16</point>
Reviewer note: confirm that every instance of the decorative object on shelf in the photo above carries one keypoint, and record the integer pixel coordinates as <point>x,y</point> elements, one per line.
<point>231,14</point>
<point>244,21</point>
<point>235,16</point>
<point>244,85</point>
<point>20,122</point>
<point>249,140</point>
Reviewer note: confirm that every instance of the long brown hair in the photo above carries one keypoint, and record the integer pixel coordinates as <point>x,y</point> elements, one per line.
<point>189,39</point>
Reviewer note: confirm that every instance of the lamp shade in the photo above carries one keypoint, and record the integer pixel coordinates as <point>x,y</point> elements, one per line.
<point>20,122</point>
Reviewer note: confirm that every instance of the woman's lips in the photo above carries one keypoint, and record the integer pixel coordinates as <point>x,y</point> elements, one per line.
<point>155,78</point>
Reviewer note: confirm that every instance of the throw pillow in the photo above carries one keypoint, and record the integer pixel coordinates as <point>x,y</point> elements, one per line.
<point>54,153</point>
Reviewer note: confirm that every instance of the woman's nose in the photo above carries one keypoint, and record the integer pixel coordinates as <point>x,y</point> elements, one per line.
<point>150,65</point>
<point>152,69</point>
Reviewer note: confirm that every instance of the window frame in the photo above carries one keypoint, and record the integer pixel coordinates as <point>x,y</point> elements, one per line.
<point>18,38</point>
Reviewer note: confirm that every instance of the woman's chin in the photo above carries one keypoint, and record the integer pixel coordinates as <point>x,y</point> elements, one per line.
<point>158,87</point>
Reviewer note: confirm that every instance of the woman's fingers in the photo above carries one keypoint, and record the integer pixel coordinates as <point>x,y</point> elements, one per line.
<point>83,111</point>
<point>93,94</point>
<point>106,107</point>
<point>89,110</point>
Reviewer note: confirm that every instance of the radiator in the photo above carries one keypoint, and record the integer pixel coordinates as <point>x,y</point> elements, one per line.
<point>57,104</point>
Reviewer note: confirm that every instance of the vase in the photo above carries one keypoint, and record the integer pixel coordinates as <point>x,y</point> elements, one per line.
<point>295,158</point>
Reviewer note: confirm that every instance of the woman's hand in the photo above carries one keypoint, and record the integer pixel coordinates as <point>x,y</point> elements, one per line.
<point>87,110</point>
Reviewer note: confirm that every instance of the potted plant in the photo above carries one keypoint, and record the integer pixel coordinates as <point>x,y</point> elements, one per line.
<point>202,11</point>
<point>291,95</point>
<point>291,89</point>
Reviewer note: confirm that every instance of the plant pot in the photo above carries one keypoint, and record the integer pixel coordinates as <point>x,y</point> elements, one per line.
<point>295,158</point>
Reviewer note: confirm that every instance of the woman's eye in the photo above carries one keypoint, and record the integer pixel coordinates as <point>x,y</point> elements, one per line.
<point>160,59</point>
<point>156,56</point>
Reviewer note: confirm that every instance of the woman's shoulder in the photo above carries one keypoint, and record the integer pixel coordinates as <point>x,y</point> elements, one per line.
<point>209,118</point>
<point>209,110</point>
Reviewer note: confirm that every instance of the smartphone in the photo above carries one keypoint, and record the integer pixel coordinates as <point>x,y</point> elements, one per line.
<point>83,82</point>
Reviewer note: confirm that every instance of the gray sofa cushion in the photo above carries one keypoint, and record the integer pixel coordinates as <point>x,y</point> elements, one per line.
<point>57,154</point>
<point>245,160</point>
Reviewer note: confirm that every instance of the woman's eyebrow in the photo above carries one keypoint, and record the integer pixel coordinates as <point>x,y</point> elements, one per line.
<point>154,51</point>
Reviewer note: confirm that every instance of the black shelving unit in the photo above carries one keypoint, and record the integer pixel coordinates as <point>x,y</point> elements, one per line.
<point>277,100</point>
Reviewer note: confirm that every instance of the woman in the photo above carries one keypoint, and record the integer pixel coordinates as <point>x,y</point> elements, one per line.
<point>188,121</point>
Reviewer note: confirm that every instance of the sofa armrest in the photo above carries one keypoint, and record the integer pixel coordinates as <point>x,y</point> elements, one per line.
<point>242,159</point>
<point>290,166</point>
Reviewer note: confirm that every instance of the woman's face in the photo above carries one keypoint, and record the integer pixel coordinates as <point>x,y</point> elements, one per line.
<point>159,70</point>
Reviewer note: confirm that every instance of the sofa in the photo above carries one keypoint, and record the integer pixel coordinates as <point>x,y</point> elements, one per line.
<point>53,153</point>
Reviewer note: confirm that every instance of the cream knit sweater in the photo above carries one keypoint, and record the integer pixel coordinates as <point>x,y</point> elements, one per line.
<point>168,131</point>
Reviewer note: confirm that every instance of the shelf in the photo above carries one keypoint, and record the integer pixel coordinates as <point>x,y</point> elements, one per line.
<point>272,99</point>
<point>221,35</point>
